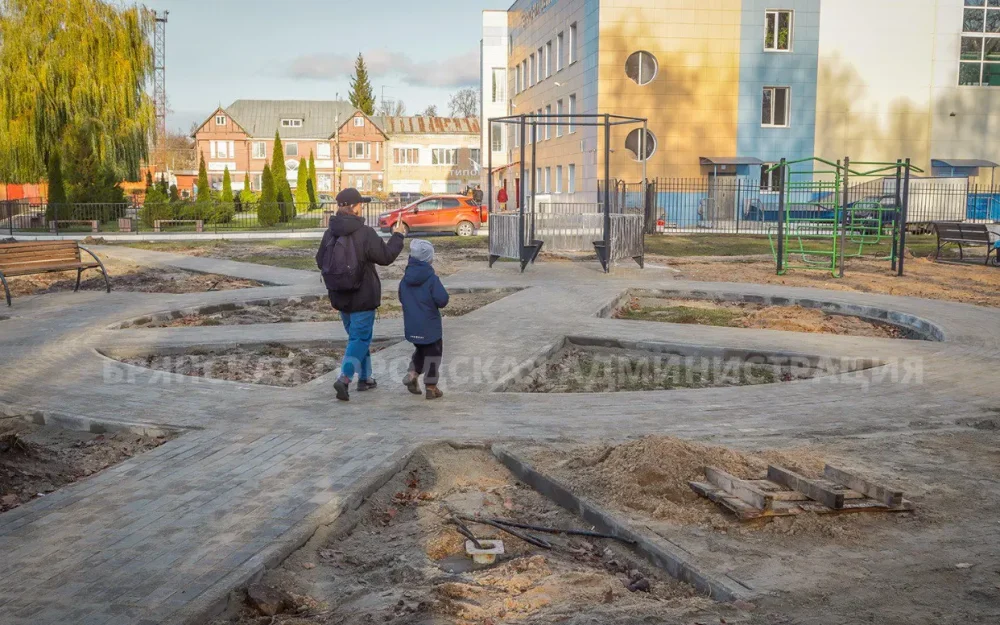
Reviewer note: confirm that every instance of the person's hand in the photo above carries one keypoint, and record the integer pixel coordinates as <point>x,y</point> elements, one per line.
<point>400,227</point>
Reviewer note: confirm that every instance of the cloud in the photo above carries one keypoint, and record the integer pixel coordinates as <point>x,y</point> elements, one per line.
<point>457,71</point>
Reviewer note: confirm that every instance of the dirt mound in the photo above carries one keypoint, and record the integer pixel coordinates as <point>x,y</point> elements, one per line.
<point>651,475</point>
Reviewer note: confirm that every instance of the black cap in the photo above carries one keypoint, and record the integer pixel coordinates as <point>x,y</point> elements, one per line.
<point>350,196</point>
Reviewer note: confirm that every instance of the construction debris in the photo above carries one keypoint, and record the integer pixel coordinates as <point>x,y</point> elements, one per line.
<point>785,493</point>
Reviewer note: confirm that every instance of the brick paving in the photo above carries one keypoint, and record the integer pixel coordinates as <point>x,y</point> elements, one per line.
<point>163,536</point>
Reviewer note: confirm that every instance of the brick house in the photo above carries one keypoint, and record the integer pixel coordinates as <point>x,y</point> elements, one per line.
<point>432,154</point>
<point>347,145</point>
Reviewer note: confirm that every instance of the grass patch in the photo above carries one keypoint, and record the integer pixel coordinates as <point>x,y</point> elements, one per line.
<point>746,245</point>
<point>458,243</point>
<point>722,317</point>
<point>286,262</point>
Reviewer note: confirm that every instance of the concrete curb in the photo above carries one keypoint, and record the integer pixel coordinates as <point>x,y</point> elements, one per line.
<point>215,599</point>
<point>660,552</point>
<point>94,425</point>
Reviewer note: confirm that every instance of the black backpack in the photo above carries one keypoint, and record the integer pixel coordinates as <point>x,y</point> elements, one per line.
<point>342,266</point>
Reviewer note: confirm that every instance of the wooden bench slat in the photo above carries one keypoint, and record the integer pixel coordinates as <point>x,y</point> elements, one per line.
<point>10,262</point>
<point>50,268</point>
<point>39,244</point>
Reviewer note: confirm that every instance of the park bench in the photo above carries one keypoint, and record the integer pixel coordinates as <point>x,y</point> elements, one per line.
<point>199,225</point>
<point>22,259</point>
<point>93,223</point>
<point>962,234</point>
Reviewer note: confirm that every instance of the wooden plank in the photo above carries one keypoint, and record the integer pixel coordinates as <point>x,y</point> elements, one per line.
<point>825,496</point>
<point>24,244</point>
<point>741,509</point>
<point>739,488</point>
<point>890,497</point>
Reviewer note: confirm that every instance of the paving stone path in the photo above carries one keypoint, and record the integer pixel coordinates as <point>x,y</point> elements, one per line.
<point>165,536</point>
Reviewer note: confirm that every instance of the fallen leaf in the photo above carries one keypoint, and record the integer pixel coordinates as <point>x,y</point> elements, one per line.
<point>308,565</point>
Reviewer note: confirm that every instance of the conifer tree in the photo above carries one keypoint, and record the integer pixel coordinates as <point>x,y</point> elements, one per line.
<point>361,95</point>
<point>227,187</point>
<point>301,185</point>
<point>204,192</point>
<point>312,184</point>
<point>268,212</point>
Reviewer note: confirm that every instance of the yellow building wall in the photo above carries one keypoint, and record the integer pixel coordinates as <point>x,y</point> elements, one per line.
<point>692,104</point>
<point>873,95</point>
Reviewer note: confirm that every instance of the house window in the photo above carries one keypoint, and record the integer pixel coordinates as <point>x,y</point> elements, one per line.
<point>255,181</point>
<point>641,67</point>
<point>359,150</point>
<point>323,150</point>
<point>359,122</point>
<point>548,180</point>
<point>548,120</point>
<point>539,75</point>
<point>406,156</point>
<point>980,52</point>
<point>558,188</point>
<point>774,107</point>
<point>291,123</point>
<point>560,39</point>
<point>572,109</point>
<point>496,136</point>
<point>548,59</point>
<point>770,181</point>
<point>559,112</point>
<point>571,181</point>
<point>499,85</point>
<point>291,149</point>
<point>444,156</point>
<point>517,79</point>
<point>571,48</point>
<point>259,149</point>
<point>539,181</point>
<point>531,70</point>
<point>220,120</point>
<point>476,156</point>
<point>633,140</point>
<point>222,149</point>
<point>324,182</point>
<point>778,31</point>
<point>215,182</point>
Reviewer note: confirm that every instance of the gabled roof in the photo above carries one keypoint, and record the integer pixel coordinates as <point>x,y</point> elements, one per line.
<point>430,125</point>
<point>262,118</point>
<point>214,113</point>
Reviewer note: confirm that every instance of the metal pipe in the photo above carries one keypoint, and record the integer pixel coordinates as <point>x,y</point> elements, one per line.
<point>534,182</point>
<point>895,217</point>
<point>489,185</point>
<point>843,215</point>
<point>903,217</point>
<point>521,199</point>
<point>607,194</point>
<point>781,217</point>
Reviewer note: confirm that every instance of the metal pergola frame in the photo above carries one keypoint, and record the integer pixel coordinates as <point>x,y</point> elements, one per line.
<point>529,249</point>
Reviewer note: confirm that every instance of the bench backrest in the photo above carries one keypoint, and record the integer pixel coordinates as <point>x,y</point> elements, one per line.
<point>26,255</point>
<point>973,233</point>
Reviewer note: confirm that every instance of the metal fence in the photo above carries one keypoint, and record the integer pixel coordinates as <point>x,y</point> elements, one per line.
<point>735,205</point>
<point>171,217</point>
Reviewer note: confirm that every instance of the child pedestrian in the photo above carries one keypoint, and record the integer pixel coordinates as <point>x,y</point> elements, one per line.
<point>423,296</point>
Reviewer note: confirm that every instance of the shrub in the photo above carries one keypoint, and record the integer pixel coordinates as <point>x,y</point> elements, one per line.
<point>222,213</point>
<point>268,212</point>
<point>227,187</point>
<point>156,207</point>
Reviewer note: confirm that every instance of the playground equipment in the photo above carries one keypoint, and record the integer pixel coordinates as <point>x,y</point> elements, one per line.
<point>519,234</point>
<point>823,222</point>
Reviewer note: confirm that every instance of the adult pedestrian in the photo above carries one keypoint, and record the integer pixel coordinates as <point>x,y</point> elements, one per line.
<point>347,257</point>
<point>502,198</point>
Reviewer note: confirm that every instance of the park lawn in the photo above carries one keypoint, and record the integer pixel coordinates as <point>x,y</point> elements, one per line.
<point>746,245</point>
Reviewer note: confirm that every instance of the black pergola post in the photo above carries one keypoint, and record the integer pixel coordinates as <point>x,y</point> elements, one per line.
<point>904,215</point>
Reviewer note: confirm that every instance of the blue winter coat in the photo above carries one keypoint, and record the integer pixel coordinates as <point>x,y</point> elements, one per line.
<point>422,296</point>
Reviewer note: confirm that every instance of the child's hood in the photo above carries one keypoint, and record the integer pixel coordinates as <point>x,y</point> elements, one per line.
<point>417,272</point>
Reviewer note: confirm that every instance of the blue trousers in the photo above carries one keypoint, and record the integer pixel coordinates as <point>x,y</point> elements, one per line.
<point>359,327</point>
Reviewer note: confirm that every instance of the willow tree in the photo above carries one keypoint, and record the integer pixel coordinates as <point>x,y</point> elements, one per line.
<point>74,71</point>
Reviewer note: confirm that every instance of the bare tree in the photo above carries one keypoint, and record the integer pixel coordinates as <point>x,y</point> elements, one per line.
<point>392,108</point>
<point>430,111</point>
<point>464,103</point>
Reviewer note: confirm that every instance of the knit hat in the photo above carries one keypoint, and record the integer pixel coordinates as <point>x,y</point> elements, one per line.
<point>422,250</point>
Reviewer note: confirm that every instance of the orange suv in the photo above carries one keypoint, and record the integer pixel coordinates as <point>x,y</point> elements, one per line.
<point>438,213</point>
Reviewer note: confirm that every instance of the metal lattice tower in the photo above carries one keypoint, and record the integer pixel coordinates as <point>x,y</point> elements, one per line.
<point>160,85</point>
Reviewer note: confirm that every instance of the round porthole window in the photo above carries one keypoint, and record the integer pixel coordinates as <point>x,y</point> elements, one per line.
<point>633,140</point>
<point>641,67</point>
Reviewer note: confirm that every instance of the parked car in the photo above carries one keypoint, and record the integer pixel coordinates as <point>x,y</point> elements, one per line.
<point>404,197</point>
<point>438,213</point>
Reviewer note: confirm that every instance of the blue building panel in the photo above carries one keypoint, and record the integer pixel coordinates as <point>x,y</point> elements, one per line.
<point>795,69</point>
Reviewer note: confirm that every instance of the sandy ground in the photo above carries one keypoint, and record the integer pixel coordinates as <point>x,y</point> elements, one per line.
<point>273,364</point>
<point>757,316</point>
<point>577,369</point>
<point>938,565</point>
<point>36,459</point>
<point>972,284</point>
<point>126,276</point>
<point>311,309</point>
<point>398,560</point>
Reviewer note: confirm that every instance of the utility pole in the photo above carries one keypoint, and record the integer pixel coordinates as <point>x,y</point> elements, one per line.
<point>160,86</point>
<point>336,151</point>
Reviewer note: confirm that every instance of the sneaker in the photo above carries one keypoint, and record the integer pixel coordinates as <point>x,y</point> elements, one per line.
<point>366,385</point>
<point>341,387</point>
<point>411,384</point>
<point>433,392</point>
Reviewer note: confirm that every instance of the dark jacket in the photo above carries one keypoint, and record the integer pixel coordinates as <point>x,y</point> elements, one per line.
<point>422,296</point>
<point>372,250</point>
